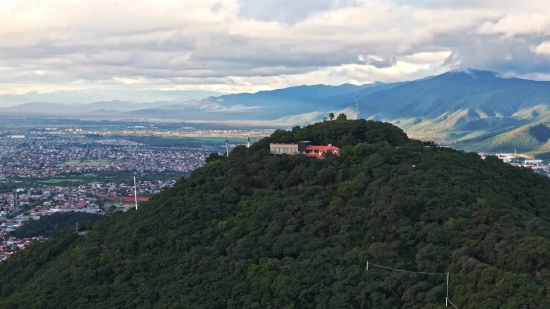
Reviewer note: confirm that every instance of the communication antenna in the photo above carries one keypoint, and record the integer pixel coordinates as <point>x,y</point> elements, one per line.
<point>135,190</point>
<point>227,146</point>
<point>357,104</point>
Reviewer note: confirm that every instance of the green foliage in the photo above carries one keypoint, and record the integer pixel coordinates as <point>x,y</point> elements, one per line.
<point>213,157</point>
<point>54,224</point>
<point>8,187</point>
<point>256,231</point>
<point>338,133</point>
<point>342,116</point>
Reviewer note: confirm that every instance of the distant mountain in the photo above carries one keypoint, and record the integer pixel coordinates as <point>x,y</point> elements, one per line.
<point>58,109</point>
<point>466,108</point>
<point>483,93</point>
<point>99,95</point>
<point>36,108</point>
<point>113,108</point>
<point>469,109</point>
<point>267,105</point>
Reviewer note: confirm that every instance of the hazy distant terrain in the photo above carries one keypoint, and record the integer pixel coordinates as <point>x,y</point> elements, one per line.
<point>104,95</point>
<point>468,109</point>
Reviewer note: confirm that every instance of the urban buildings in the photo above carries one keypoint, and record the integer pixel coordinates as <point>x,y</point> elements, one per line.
<point>304,147</point>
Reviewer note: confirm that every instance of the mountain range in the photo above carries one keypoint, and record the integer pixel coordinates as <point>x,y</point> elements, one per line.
<point>469,109</point>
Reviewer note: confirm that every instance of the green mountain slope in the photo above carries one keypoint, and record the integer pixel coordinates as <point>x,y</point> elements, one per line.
<point>255,231</point>
<point>532,138</point>
<point>54,224</point>
<point>480,91</point>
<point>462,105</point>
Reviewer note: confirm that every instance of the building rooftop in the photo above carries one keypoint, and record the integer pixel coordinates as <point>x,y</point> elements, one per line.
<point>323,148</point>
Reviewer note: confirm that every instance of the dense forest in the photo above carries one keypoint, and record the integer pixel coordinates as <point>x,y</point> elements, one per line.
<point>49,226</point>
<point>256,231</point>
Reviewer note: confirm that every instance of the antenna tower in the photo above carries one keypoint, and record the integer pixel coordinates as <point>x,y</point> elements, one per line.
<point>357,104</point>
<point>135,191</point>
<point>227,146</point>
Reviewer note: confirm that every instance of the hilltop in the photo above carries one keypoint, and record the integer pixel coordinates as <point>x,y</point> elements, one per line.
<point>256,231</point>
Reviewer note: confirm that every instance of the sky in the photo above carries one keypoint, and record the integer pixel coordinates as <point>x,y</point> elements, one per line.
<point>170,46</point>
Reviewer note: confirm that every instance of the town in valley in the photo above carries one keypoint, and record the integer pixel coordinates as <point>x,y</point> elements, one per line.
<point>46,170</point>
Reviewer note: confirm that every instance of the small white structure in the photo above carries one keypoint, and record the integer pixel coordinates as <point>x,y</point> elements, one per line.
<point>506,157</point>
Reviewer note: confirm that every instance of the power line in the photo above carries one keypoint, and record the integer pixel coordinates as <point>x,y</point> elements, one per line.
<point>407,271</point>
<point>447,299</point>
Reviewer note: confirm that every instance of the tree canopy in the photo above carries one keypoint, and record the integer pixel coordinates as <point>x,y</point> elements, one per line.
<point>256,231</point>
<point>54,224</point>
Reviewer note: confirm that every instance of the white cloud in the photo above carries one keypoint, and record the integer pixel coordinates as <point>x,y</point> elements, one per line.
<point>240,45</point>
<point>542,49</point>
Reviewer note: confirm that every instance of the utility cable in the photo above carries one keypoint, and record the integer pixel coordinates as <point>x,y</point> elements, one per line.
<point>407,271</point>
<point>447,299</point>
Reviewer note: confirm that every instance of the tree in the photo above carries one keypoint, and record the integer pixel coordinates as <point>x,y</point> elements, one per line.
<point>331,116</point>
<point>213,157</point>
<point>342,116</point>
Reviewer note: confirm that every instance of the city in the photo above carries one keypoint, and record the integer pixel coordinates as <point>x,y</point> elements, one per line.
<point>41,157</point>
<point>92,173</point>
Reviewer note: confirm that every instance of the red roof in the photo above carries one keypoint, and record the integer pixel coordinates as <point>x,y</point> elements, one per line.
<point>322,148</point>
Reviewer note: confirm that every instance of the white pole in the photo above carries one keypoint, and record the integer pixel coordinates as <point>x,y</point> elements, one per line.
<point>447,298</point>
<point>227,146</point>
<point>135,191</point>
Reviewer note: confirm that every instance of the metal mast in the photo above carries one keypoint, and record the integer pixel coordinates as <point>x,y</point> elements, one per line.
<point>227,146</point>
<point>135,191</point>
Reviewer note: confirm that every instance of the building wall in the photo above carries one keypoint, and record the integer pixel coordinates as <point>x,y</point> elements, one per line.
<point>278,149</point>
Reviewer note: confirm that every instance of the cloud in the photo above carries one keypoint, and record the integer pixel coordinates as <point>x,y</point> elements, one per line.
<point>289,11</point>
<point>542,49</point>
<point>377,62</point>
<point>250,45</point>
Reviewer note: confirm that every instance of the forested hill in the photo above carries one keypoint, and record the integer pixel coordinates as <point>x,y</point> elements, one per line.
<point>255,231</point>
<point>49,226</point>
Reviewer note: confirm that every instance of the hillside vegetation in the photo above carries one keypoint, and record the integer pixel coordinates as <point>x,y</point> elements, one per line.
<point>256,231</point>
<point>49,226</point>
